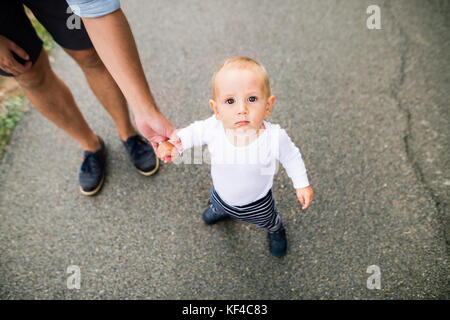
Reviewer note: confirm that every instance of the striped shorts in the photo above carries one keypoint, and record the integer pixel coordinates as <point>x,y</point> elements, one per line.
<point>263,212</point>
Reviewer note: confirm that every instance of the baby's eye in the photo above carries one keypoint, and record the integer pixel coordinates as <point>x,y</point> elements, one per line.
<point>229,101</point>
<point>252,99</point>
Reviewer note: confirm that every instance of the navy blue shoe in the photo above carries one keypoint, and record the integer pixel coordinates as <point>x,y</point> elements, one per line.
<point>211,216</point>
<point>142,155</point>
<point>277,242</point>
<point>92,171</point>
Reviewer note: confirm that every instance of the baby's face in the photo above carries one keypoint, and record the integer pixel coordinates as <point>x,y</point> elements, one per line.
<point>241,101</point>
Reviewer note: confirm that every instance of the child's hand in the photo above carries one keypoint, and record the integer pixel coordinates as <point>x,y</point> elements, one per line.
<point>305,196</point>
<point>167,151</point>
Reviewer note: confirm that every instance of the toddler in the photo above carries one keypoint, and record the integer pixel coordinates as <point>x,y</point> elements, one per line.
<point>244,148</point>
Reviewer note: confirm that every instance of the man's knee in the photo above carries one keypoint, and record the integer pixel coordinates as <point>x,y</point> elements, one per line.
<point>34,79</point>
<point>87,59</point>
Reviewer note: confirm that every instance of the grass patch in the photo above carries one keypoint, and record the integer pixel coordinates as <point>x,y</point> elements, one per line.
<point>43,34</point>
<point>10,115</point>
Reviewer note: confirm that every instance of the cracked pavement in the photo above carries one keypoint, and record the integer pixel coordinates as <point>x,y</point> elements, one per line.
<point>368,109</point>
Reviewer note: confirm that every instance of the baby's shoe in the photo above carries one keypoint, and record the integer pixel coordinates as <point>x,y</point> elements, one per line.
<point>277,242</point>
<point>211,216</point>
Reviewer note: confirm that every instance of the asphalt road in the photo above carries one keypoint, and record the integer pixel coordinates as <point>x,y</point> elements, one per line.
<point>369,110</point>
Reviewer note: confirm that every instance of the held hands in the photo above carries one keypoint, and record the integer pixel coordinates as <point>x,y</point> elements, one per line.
<point>305,196</point>
<point>156,128</point>
<point>7,61</point>
<point>167,151</point>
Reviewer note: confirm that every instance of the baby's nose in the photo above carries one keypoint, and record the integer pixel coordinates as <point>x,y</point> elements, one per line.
<point>243,107</point>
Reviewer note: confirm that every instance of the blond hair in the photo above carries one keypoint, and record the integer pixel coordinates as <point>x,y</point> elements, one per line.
<point>242,63</point>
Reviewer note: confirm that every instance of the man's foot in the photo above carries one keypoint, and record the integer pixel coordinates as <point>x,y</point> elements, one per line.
<point>92,171</point>
<point>142,155</point>
<point>277,242</point>
<point>211,216</point>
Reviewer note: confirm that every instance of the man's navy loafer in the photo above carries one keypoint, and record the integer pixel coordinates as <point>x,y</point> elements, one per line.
<point>142,155</point>
<point>92,171</point>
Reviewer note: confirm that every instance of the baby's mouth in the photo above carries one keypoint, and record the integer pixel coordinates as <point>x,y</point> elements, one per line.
<point>242,123</point>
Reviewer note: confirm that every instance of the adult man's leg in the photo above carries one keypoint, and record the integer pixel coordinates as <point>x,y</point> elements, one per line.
<point>54,100</point>
<point>112,99</point>
<point>48,93</point>
<point>105,89</point>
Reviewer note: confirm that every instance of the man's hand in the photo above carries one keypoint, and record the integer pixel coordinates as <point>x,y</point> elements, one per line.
<point>7,61</point>
<point>305,196</point>
<point>156,128</point>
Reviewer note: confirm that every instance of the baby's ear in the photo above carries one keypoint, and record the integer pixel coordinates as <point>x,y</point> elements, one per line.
<point>270,102</point>
<point>213,105</point>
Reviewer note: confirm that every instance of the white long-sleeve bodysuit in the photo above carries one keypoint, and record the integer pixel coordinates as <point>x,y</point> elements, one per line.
<point>242,175</point>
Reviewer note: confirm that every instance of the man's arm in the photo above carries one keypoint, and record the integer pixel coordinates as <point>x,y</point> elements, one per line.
<point>113,40</point>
